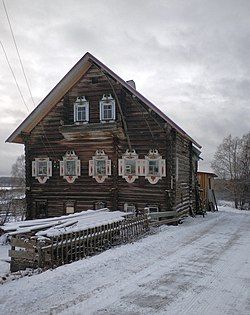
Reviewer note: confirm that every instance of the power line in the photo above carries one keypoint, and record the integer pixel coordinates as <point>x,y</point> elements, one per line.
<point>26,80</point>
<point>18,87</point>
<point>18,54</point>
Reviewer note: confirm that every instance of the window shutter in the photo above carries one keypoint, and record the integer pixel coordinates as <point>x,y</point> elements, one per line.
<point>34,170</point>
<point>141,167</point>
<point>75,113</point>
<point>91,167</point>
<point>87,112</point>
<point>49,168</point>
<point>100,111</point>
<point>113,110</point>
<point>163,167</point>
<point>78,167</point>
<point>121,167</point>
<point>62,171</point>
<point>108,167</point>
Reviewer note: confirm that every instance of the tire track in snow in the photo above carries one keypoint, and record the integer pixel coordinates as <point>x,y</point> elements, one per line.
<point>123,271</point>
<point>190,285</point>
<point>130,290</point>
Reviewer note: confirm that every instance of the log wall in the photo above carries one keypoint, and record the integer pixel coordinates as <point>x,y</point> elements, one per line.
<point>145,130</point>
<point>183,185</point>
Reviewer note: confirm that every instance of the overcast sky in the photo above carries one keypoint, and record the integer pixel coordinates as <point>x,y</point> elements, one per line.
<point>189,57</point>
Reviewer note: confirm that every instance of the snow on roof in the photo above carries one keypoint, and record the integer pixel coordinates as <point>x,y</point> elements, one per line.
<point>65,224</point>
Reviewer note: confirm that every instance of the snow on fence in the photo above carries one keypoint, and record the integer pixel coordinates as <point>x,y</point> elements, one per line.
<point>38,251</point>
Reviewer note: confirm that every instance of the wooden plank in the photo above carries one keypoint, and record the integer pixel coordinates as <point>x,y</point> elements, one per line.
<point>25,243</point>
<point>23,254</point>
<point>163,214</point>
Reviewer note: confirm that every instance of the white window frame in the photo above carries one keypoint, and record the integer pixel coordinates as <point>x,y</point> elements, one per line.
<point>107,99</point>
<point>42,178</point>
<point>81,102</point>
<point>70,156</point>
<point>149,208</point>
<point>129,156</point>
<point>152,214</point>
<point>154,155</point>
<point>129,207</point>
<point>93,163</point>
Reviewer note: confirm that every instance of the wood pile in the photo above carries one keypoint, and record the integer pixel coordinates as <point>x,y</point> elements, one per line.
<point>53,242</point>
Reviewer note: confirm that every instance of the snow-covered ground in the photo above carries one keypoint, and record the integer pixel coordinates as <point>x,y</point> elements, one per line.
<point>4,260</point>
<point>200,267</point>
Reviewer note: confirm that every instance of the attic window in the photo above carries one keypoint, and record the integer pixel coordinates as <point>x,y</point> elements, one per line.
<point>81,110</point>
<point>107,108</point>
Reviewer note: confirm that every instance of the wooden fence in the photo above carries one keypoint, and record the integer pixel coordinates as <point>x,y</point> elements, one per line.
<point>30,252</point>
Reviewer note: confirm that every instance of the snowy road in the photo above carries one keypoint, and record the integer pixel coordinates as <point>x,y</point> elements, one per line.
<point>201,267</point>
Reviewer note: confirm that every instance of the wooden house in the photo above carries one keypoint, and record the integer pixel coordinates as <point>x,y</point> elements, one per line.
<point>207,195</point>
<point>95,141</point>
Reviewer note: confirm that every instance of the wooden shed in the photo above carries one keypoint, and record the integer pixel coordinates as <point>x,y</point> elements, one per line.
<point>95,141</point>
<point>207,194</point>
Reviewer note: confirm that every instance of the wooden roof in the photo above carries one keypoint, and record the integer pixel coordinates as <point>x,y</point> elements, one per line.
<point>66,83</point>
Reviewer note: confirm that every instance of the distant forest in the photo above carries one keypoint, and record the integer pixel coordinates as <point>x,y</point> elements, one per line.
<point>5,181</point>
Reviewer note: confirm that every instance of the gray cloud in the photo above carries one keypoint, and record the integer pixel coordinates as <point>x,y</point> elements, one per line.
<point>191,58</point>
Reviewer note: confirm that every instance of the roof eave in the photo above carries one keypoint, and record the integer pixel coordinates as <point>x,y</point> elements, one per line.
<point>51,98</point>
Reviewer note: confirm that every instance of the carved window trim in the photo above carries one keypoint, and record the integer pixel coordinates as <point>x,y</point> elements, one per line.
<point>154,161</point>
<point>100,166</point>
<point>70,157</point>
<point>130,159</point>
<point>81,102</point>
<point>107,101</point>
<point>42,169</point>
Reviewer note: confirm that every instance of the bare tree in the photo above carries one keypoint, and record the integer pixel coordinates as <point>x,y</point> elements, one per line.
<point>12,201</point>
<point>18,172</point>
<point>5,205</point>
<point>231,163</point>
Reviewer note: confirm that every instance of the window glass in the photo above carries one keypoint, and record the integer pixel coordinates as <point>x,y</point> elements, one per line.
<point>81,113</point>
<point>100,167</point>
<point>107,111</point>
<point>70,168</point>
<point>42,168</point>
<point>153,209</point>
<point>130,166</point>
<point>153,168</point>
